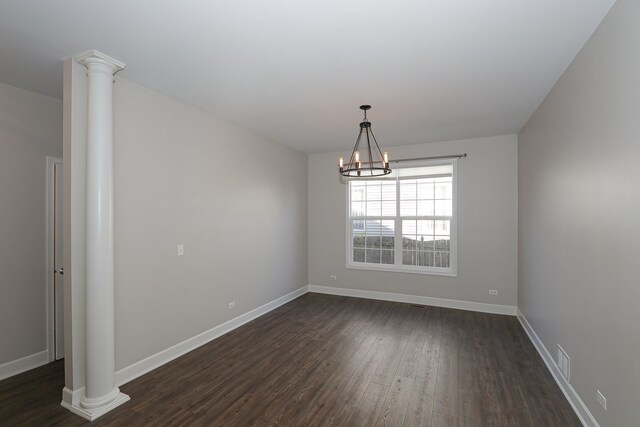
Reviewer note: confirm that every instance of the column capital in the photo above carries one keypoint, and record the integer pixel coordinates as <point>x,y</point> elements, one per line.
<point>93,57</point>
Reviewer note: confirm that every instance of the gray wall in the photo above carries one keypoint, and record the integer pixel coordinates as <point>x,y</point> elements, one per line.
<point>236,201</point>
<point>30,130</point>
<point>487,225</point>
<point>579,224</point>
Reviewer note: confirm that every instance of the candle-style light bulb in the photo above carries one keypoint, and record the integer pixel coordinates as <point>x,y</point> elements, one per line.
<point>385,156</point>
<point>341,162</point>
<point>357,156</point>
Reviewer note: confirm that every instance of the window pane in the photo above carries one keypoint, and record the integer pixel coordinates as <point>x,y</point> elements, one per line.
<point>389,208</point>
<point>357,192</point>
<point>425,259</point>
<point>358,241</point>
<point>425,189</point>
<point>443,207</point>
<point>442,259</point>
<point>425,208</point>
<point>373,241</point>
<point>409,226</point>
<point>408,189</point>
<point>373,191</point>
<point>425,243</point>
<point>408,258</point>
<point>373,227</point>
<point>408,242</point>
<point>387,242</point>
<point>443,190</point>
<point>442,243</point>
<point>358,226</point>
<point>408,208</point>
<point>425,227</point>
<point>358,255</point>
<point>388,227</point>
<point>357,209</point>
<point>389,191</point>
<point>443,227</point>
<point>373,208</point>
<point>387,257</point>
<point>373,256</point>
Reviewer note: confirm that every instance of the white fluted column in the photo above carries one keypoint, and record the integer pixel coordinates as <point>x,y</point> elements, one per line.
<point>100,394</point>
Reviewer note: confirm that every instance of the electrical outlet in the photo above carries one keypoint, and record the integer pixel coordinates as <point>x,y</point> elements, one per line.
<point>601,400</point>
<point>332,278</point>
<point>232,305</point>
<point>180,250</point>
<point>493,292</point>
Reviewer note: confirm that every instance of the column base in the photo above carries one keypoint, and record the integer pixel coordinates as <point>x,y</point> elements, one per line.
<point>93,413</point>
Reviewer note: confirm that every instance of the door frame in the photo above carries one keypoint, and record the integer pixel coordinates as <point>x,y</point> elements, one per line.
<point>50,249</point>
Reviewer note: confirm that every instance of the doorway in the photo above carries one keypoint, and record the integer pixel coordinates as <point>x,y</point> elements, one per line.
<point>55,266</point>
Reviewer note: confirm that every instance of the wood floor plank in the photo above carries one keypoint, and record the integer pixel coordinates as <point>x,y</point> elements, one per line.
<point>394,407</point>
<point>295,404</point>
<point>324,400</point>
<point>237,413</point>
<point>370,406</point>
<point>360,380</point>
<point>421,401</point>
<point>472,409</point>
<point>388,367</point>
<point>446,396</point>
<point>349,398</point>
<point>410,361</point>
<point>444,420</point>
<point>329,360</point>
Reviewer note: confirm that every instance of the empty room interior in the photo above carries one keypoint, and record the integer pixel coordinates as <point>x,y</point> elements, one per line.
<point>305,213</point>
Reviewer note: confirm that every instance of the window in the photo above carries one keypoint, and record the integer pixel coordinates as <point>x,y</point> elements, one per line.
<point>405,221</point>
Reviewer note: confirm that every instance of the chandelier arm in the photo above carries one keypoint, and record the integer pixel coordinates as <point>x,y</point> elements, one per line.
<point>377,146</point>
<point>369,149</point>
<point>355,148</point>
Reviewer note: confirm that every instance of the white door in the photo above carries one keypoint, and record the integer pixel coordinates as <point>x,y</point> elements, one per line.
<point>58,281</point>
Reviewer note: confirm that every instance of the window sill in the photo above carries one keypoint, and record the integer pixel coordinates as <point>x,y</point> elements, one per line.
<point>448,273</point>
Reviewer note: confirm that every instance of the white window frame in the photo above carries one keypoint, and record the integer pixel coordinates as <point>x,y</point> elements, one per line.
<point>398,266</point>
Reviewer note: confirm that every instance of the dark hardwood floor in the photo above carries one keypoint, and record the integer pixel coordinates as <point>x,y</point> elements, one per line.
<point>328,360</point>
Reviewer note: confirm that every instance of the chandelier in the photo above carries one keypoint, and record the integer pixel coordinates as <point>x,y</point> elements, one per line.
<point>368,160</point>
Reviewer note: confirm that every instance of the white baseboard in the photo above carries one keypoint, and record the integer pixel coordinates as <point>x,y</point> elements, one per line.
<point>570,393</point>
<point>150,363</point>
<point>416,299</point>
<point>23,364</point>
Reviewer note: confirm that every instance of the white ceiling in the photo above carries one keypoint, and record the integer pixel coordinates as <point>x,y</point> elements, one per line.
<point>295,71</point>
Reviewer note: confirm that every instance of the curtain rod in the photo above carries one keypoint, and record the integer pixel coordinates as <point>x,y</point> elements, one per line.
<point>413,159</point>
